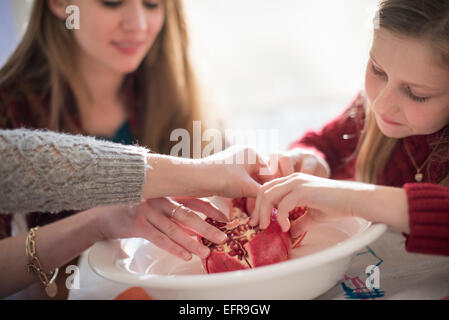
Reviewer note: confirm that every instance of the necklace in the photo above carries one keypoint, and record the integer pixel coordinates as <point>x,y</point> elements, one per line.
<point>419,175</point>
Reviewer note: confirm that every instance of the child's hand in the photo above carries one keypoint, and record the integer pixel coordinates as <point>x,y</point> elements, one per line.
<point>326,199</point>
<point>299,160</point>
<point>295,160</point>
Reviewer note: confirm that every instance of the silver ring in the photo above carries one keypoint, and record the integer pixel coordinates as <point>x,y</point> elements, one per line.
<point>175,208</point>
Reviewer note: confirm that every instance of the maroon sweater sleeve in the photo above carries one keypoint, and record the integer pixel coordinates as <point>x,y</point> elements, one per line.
<point>429,218</point>
<point>337,141</point>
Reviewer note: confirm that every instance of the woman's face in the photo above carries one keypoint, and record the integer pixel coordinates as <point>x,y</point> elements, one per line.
<point>117,34</point>
<point>407,86</point>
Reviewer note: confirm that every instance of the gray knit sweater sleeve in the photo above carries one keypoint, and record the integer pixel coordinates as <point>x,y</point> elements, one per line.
<point>43,171</point>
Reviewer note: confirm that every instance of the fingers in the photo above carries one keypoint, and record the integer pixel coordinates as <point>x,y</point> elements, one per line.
<point>265,170</point>
<point>286,166</point>
<point>251,187</point>
<point>308,165</point>
<point>190,218</point>
<point>273,197</point>
<point>203,206</point>
<point>287,204</point>
<point>171,230</point>
<point>274,165</point>
<point>281,165</point>
<point>323,170</point>
<point>283,193</point>
<point>250,204</point>
<point>162,241</point>
<point>257,216</point>
<point>298,160</point>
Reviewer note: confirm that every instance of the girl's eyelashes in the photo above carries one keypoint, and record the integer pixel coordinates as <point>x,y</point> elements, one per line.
<point>114,4</point>
<point>151,4</point>
<point>378,72</point>
<point>414,97</point>
<point>407,89</point>
<point>111,4</point>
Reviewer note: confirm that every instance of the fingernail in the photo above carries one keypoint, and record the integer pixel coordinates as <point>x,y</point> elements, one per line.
<point>204,252</point>
<point>186,256</point>
<point>222,237</point>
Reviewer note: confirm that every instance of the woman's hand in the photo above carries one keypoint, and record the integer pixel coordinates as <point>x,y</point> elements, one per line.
<point>166,223</point>
<point>235,172</point>
<point>60,242</point>
<point>329,199</point>
<point>299,160</point>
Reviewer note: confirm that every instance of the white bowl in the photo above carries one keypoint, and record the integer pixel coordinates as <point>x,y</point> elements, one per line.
<point>315,267</point>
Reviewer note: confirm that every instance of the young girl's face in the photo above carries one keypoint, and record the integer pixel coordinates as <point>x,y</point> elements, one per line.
<point>117,34</point>
<point>407,85</point>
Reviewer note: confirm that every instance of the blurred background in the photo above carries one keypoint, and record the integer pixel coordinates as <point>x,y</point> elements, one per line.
<point>284,65</point>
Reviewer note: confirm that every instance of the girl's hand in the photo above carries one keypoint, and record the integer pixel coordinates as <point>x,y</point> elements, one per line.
<point>329,199</point>
<point>280,165</point>
<point>295,160</point>
<point>299,160</point>
<point>154,220</point>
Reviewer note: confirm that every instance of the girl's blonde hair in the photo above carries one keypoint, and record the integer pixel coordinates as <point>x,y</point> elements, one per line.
<point>165,88</point>
<point>426,20</point>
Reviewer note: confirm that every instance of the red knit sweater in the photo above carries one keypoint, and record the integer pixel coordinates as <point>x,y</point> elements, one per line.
<point>428,202</point>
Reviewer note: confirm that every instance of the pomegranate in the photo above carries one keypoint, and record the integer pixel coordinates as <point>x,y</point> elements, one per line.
<point>247,246</point>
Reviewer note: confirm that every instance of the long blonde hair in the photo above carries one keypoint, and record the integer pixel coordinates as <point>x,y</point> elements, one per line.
<point>426,20</point>
<point>165,85</point>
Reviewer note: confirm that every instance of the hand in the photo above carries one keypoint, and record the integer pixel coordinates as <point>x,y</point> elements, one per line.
<point>295,160</point>
<point>329,199</point>
<point>318,194</point>
<point>299,160</point>
<point>236,172</point>
<point>153,220</point>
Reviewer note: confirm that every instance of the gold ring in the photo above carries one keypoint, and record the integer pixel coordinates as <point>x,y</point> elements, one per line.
<point>175,208</point>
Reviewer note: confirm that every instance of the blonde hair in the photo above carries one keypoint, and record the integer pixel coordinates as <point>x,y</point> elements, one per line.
<point>426,20</point>
<point>164,83</point>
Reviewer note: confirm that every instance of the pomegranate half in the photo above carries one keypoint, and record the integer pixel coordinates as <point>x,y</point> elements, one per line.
<point>247,246</point>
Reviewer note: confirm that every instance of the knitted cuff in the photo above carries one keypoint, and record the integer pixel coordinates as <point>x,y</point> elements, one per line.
<point>429,218</point>
<point>119,175</point>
